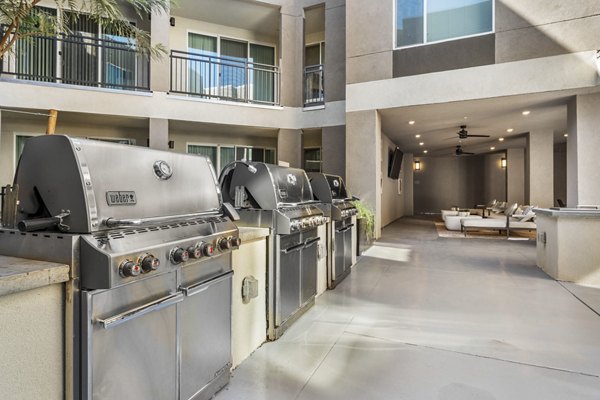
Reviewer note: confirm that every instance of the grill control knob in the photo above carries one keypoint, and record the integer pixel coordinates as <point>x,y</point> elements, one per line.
<point>179,255</point>
<point>128,269</point>
<point>235,241</point>
<point>224,244</point>
<point>207,249</point>
<point>148,263</point>
<point>195,251</point>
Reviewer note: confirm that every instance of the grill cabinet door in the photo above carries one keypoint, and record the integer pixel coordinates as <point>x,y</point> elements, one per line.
<point>289,280</point>
<point>309,268</point>
<point>133,357</point>
<point>338,267</point>
<point>348,247</point>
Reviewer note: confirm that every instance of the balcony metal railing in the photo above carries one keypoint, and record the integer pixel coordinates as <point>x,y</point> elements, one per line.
<point>78,60</point>
<point>314,88</point>
<point>224,78</point>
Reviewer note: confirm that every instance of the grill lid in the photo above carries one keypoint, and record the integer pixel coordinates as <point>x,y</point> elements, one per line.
<point>91,183</point>
<point>328,188</point>
<point>264,186</point>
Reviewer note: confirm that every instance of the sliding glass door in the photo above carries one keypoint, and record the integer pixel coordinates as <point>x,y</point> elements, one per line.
<point>35,57</point>
<point>262,77</point>
<point>202,70</point>
<point>80,50</point>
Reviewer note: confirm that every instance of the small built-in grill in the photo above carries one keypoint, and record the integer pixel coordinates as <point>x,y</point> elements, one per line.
<point>335,201</point>
<point>281,199</point>
<point>149,305</point>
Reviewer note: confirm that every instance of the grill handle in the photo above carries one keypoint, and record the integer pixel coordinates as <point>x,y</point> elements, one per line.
<point>126,316</point>
<point>32,225</point>
<point>293,248</point>
<point>310,242</point>
<point>202,286</point>
<point>122,223</point>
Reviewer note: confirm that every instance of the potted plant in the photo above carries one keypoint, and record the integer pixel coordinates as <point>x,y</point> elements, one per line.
<point>366,225</point>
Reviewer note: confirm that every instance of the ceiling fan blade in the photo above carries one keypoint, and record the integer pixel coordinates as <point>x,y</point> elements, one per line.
<point>468,154</point>
<point>450,138</point>
<point>478,135</point>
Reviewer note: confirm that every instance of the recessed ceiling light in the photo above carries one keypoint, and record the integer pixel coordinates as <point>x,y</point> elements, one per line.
<point>421,144</point>
<point>492,148</point>
<point>501,139</point>
<point>566,135</point>
<point>510,130</point>
<point>417,136</point>
<point>425,151</point>
<point>526,112</point>
<point>411,122</point>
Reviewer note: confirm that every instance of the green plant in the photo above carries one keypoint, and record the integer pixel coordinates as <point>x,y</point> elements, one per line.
<point>366,214</point>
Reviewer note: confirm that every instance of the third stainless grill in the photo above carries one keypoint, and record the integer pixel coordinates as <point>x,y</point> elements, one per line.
<point>281,199</point>
<point>335,201</point>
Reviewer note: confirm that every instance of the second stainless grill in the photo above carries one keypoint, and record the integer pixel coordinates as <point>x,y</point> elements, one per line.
<point>281,199</point>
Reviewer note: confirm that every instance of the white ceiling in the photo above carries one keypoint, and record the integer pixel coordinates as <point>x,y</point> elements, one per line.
<point>260,18</point>
<point>438,124</point>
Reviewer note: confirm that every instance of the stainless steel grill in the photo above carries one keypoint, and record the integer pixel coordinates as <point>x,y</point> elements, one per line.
<point>149,305</point>
<point>335,201</point>
<point>281,199</point>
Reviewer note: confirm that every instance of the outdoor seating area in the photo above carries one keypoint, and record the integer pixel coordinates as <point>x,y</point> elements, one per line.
<point>495,216</point>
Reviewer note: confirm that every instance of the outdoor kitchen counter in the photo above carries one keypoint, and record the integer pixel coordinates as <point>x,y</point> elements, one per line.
<point>18,274</point>
<point>248,316</point>
<point>567,244</point>
<point>32,332</point>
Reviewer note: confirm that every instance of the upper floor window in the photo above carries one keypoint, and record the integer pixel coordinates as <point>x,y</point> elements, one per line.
<point>427,21</point>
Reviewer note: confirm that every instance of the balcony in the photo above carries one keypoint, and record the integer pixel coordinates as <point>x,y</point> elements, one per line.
<point>224,78</point>
<point>111,62</point>
<point>314,90</point>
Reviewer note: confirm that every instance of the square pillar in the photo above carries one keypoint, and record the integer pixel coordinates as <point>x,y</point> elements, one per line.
<point>159,133</point>
<point>291,57</point>
<point>333,150</point>
<point>160,68</point>
<point>515,176</point>
<point>583,163</point>
<point>363,160</point>
<point>407,176</point>
<point>540,168</point>
<point>335,54</point>
<point>290,146</point>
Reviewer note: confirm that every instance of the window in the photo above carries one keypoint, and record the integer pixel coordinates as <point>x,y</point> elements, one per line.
<point>221,155</point>
<point>427,21</point>
<point>19,145</point>
<point>231,69</point>
<point>312,159</point>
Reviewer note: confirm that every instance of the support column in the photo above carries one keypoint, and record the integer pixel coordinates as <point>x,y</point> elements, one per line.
<point>160,71</point>
<point>515,176</point>
<point>159,133</point>
<point>291,55</point>
<point>540,168</point>
<point>363,155</point>
<point>289,147</point>
<point>583,162</point>
<point>333,146</point>
<point>335,56</point>
<point>408,173</point>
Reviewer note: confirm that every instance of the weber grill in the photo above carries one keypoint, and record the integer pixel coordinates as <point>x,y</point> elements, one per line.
<point>335,201</point>
<point>281,199</point>
<point>149,305</point>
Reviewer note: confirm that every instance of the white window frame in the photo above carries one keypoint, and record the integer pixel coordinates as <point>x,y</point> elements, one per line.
<point>314,161</point>
<point>218,165</point>
<point>321,44</point>
<point>425,4</point>
<point>14,146</point>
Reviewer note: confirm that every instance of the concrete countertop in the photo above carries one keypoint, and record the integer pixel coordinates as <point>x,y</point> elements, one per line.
<point>569,212</point>
<point>19,274</point>
<point>248,234</point>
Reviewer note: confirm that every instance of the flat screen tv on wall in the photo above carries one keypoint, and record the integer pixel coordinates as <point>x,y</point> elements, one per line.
<point>395,163</point>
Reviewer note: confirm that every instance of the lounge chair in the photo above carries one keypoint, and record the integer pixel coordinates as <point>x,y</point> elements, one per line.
<point>510,221</point>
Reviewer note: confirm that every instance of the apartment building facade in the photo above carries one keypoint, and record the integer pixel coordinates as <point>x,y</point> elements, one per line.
<point>334,85</point>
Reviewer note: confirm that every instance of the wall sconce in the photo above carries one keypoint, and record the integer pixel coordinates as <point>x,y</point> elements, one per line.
<point>172,21</point>
<point>417,165</point>
<point>503,162</point>
<point>598,61</point>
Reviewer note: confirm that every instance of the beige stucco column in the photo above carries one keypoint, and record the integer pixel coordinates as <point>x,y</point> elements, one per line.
<point>363,160</point>
<point>289,147</point>
<point>335,56</point>
<point>291,55</point>
<point>159,133</point>
<point>515,176</point>
<point>583,162</point>
<point>160,67</point>
<point>333,145</point>
<point>540,168</point>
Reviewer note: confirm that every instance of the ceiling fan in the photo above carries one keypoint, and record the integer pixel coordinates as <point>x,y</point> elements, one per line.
<point>460,152</point>
<point>464,134</point>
